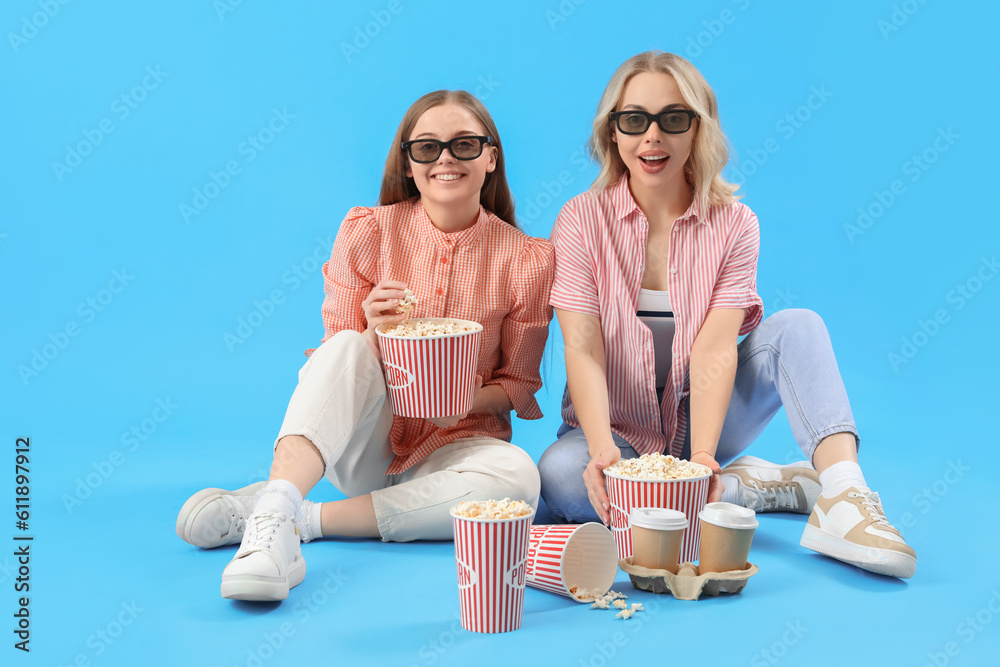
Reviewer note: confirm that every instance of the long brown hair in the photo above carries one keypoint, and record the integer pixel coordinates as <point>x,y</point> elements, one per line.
<point>397,186</point>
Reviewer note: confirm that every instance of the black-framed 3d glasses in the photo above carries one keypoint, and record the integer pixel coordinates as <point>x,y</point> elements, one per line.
<point>466,147</point>
<point>671,121</point>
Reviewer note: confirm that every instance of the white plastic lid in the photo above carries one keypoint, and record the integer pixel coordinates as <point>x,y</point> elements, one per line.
<point>658,519</point>
<point>728,515</point>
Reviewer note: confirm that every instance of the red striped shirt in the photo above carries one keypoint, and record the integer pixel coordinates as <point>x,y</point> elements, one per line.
<point>490,273</point>
<point>600,242</point>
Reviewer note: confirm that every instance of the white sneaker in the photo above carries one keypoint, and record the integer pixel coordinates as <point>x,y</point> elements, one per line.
<point>269,561</point>
<point>216,517</point>
<point>852,527</point>
<point>769,487</point>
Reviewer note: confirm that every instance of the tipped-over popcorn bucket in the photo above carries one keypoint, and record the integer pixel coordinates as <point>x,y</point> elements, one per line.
<point>688,495</point>
<point>432,375</point>
<point>491,555</point>
<point>577,561</point>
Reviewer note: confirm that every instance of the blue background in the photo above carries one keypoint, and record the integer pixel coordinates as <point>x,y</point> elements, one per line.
<point>893,76</point>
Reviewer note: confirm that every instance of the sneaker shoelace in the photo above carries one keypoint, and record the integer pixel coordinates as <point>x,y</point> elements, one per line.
<point>779,495</point>
<point>237,524</point>
<point>263,529</point>
<point>873,506</point>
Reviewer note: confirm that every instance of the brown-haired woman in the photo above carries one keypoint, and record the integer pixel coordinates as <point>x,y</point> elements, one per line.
<point>445,229</point>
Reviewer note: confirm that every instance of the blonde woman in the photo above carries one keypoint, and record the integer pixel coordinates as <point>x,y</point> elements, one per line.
<point>655,281</point>
<point>445,229</point>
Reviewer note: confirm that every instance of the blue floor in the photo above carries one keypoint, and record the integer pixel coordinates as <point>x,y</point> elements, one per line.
<point>157,302</point>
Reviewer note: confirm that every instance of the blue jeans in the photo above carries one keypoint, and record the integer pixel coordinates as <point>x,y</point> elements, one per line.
<point>786,361</point>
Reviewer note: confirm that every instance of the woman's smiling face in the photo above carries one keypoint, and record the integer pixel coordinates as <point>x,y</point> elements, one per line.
<point>655,158</point>
<point>448,180</point>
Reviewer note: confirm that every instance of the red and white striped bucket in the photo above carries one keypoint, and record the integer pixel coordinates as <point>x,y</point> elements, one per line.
<point>561,558</point>
<point>491,555</point>
<point>688,495</point>
<point>431,376</point>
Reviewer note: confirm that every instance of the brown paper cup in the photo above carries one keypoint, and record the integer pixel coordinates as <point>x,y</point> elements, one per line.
<point>656,549</point>
<point>657,537</point>
<point>726,533</point>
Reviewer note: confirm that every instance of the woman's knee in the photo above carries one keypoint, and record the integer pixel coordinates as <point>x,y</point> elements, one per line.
<point>800,320</point>
<point>511,473</point>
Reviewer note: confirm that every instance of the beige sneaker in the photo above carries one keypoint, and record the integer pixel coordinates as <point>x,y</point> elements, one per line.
<point>769,487</point>
<point>852,527</point>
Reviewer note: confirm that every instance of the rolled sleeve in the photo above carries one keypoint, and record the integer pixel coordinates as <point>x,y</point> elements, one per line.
<point>736,286</point>
<point>574,286</point>
<point>526,328</point>
<point>350,273</point>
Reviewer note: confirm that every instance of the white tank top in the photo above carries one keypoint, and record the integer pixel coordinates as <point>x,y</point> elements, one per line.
<point>655,311</point>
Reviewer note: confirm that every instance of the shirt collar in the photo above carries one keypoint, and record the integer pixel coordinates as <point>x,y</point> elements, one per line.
<point>465,237</point>
<point>624,203</point>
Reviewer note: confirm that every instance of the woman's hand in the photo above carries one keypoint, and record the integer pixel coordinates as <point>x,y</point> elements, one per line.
<point>715,484</point>
<point>593,478</point>
<point>448,422</point>
<point>380,308</point>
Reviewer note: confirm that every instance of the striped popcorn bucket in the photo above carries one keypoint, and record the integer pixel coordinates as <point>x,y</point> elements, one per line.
<point>491,555</point>
<point>562,559</point>
<point>687,495</point>
<point>432,376</point>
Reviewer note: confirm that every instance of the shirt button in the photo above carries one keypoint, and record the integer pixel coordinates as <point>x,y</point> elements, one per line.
<point>444,260</point>
<point>673,269</point>
<point>440,291</point>
<point>677,355</point>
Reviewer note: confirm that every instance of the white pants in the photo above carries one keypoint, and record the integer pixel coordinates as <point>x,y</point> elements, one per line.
<point>340,405</point>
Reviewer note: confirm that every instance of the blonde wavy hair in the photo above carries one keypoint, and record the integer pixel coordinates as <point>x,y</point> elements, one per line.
<point>710,150</point>
<point>397,186</point>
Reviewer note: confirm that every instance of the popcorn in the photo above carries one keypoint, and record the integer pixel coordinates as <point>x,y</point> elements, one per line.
<point>586,593</point>
<point>408,303</point>
<point>624,614</point>
<point>619,604</point>
<point>636,606</point>
<point>600,604</point>
<point>492,509</point>
<point>657,466</point>
<point>428,328</point>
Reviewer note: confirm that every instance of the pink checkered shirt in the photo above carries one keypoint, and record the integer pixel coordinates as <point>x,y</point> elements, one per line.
<point>490,273</point>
